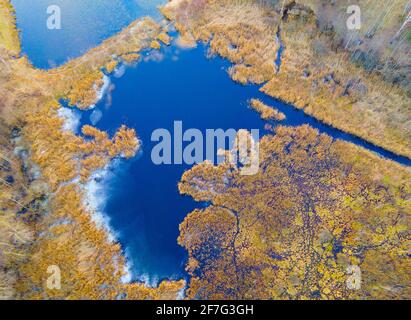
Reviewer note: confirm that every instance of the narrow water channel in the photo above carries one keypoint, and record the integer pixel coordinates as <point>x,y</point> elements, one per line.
<point>140,198</point>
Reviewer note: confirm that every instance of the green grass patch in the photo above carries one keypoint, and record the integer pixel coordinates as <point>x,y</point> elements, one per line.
<point>408,36</point>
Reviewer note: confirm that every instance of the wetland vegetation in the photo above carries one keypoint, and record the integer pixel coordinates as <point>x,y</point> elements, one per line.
<point>316,207</point>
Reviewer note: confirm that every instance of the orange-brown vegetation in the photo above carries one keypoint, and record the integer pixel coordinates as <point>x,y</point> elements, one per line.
<point>44,221</point>
<point>226,26</point>
<point>131,57</point>
<point>267,112</point>
<point>155,44</point>
<point>319,72</point>
<point>316,208</point>
<point>17,195</point>
<point>83,76</point>
<point>91,266</point>
<point>9,38</point>
<point>164,38</point>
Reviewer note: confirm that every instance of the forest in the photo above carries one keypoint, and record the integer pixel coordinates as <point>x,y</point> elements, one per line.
<point>320,219</point>
<point>357,81</point>
<point>320,211</point>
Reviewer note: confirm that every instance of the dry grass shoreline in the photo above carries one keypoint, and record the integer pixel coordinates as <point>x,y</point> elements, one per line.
<point>255,223</point>
<point>64,233</point>
<point>266,112</point>
<point>317,206</point>
<point>316,74</point>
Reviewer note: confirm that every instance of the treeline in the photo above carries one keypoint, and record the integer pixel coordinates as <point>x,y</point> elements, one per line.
<point>318,71</point>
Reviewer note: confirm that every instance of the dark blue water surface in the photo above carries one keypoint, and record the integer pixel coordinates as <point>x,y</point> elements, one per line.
<point>84,24</point>
<point>143,202</point>
<point>176,85</point>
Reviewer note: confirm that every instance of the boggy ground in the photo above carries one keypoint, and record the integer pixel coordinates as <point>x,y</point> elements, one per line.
<point>316,208</point>
<point>44,169</point>
<point>323,218</point>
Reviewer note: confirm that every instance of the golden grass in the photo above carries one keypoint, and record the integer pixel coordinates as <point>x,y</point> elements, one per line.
<point>273,235</point>
<point>267,112</point>
<point>316,74</point>
<point>9,38</point>
<point>91,264</point>
<point>83,77</point>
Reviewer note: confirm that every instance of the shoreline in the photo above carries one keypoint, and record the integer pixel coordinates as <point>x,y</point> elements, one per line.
<point>338,101</point>
<point>62,153</point>
<point>67,236</point>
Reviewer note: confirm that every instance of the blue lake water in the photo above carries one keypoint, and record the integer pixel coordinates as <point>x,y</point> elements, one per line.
<point>176,85</point>
<point>143,203</point>
<point>84,24</point>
